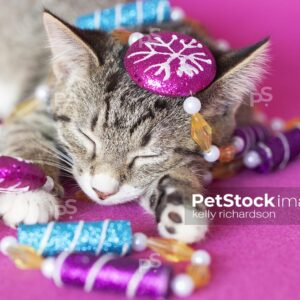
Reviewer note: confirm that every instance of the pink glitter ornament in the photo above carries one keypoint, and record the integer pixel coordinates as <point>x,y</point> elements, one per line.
<point>17,175</point>
<point>170,64</point>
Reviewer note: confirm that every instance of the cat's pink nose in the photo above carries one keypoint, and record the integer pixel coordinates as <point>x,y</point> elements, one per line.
<point>102,195</point>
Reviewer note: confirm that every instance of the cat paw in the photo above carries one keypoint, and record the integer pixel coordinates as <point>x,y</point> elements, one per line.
<point>28,208</point>
<point>173,224</point>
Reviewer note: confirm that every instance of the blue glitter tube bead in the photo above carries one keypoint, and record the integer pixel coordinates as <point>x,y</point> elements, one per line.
<point>81,237</point>
<point>127,15</point>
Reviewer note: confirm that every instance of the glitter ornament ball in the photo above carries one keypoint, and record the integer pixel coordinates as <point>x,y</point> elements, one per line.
<point>170,64</point>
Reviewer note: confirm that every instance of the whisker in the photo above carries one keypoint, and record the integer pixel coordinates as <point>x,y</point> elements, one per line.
<point>52,164</point>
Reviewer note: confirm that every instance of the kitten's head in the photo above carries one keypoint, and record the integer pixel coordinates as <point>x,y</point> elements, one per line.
<point>122,139</point>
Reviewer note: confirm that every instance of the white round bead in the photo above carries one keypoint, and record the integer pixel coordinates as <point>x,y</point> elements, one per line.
<point>223,45</point>
<point>212,155</point>
<point>201,257</point>
<point>42,92</point>
<point>49,185</point>
<point>6,243</point>
<point>48,267</point>
<point>208,178</point>
<point>252,160</point>
<point>277,124</point>
<point>139,242</point>
<point>182,285</point>
<point>238,143</point>
<point>177,14</point>
<point>134,37</point>
<point>192,105</point>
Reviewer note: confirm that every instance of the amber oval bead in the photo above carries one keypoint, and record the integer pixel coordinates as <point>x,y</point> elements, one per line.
<point>200,274</point>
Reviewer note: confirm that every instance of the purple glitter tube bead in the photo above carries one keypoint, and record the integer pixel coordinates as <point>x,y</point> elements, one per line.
<point>17,175</point>
<point>251,135</point>
<point>109,273</point>
<point>278,151</point>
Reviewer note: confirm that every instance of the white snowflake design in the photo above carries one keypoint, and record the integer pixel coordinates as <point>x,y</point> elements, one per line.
<point>189,64</point>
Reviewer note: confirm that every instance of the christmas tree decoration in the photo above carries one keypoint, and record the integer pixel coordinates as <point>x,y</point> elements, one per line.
<point>201,132</point>
<point>246,137</point>
<point>171,250</point>
<point>19,176</point>
<point>84,237</point>
<point>200,275</point>
<point>129,15</point>
<point>197,275</point>
<point>24,257</point>
<point>201,257</point>
<point>109,273</point>
<point>212,155</point>
<point>113,273</point>
<point>227,153</point>
<point>292,124</point>
<point>170,64</point>
<point>183,285</point>
<point>276,153</point>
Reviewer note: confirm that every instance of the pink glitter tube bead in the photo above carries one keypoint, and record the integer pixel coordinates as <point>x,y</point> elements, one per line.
<point>17,175</point>
<point>109,273</point>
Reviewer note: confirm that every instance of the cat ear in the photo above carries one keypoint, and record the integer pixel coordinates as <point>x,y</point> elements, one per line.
<point>72,57</point>
<point>238,73</point>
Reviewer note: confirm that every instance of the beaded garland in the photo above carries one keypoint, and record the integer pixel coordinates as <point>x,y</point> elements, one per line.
<point>110,272</point>
<point>130,15</point>
<point>276,153</point>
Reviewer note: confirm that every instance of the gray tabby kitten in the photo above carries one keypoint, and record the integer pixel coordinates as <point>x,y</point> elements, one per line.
<point>123,142</point>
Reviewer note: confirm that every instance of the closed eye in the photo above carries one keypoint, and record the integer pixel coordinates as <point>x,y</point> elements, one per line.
<point>91,141</point>
<point>145,157</point>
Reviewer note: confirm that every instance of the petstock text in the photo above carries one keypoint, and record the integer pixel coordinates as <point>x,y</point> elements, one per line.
<point>261,206</point>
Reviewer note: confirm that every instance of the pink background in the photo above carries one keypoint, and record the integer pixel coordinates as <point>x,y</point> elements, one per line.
<point>245,22</point>
<point>249,262</point>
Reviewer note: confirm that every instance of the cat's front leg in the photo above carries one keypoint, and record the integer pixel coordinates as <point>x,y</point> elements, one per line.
<point>170,199</point>
<point>27,140</point>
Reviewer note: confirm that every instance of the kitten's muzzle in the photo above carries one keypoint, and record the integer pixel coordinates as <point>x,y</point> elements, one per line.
<point>104,185</point>
<point>103,196</point>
